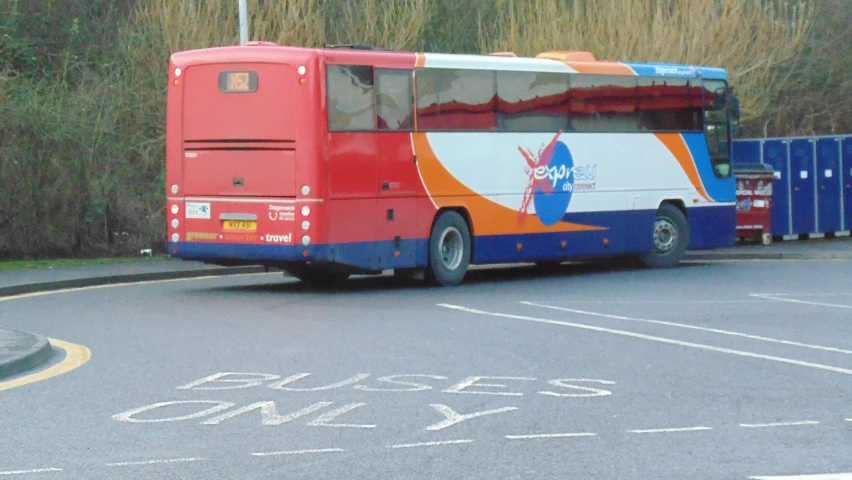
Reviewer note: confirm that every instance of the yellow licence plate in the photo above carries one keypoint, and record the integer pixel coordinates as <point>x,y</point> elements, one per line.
<point>250,225</point>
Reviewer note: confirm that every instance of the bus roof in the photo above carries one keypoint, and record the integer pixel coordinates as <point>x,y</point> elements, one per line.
<point>268,52</point>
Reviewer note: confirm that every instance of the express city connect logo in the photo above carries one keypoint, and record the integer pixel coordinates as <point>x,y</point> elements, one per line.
<point>553,179</point>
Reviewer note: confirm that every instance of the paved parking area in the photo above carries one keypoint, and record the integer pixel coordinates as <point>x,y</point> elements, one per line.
<point>713,370</point>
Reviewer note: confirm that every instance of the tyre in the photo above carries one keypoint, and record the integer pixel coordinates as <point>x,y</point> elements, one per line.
<point>316,274</point>
<point>671,237</point>
<point>449,250</point>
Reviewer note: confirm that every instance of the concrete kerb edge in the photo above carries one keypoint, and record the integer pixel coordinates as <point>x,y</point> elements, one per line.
<point>35,357</point>
<point>129,278</point>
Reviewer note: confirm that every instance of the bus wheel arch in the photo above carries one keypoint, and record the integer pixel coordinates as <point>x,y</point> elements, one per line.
<point>677,202</point>
<point>450,247</point>
<point>670,236</point>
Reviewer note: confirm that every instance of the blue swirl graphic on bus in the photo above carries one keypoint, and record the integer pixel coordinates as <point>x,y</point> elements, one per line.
<point>558,174</point>
<point>552,181</point>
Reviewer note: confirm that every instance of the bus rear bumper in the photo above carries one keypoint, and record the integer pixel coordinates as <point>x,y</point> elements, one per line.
<point>245,254</point>
<point>367,257</point>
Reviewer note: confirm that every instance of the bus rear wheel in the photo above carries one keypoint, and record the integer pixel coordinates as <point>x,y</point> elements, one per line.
<point>449,250</point>
<point>671,236</point>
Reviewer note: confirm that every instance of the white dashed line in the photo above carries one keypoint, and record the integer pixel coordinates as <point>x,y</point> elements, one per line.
<point>821,476</point>
<point>35,470</point>
<point>779,424</point>
<point>299,452</point>
<point>804,302</point>
<point>804,294</point>
<point>549,435</point>
<point>652,338</point>
<point>153,462</point>
<point>662,302</point>
<point>694,327</point>
<point>672,430</point>
<point>429,444</point>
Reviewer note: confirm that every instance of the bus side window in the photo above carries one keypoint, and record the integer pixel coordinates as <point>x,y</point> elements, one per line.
<point>533,101</point>
<point>670,104</point>
<point>395,99</point>
<point>456,99</point>
<point>604,103</point>
<point>350,98</point>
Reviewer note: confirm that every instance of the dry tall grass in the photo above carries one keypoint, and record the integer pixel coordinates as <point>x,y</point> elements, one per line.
<point>183,25</point>
<point>392,24</point>
<point>749,38</point>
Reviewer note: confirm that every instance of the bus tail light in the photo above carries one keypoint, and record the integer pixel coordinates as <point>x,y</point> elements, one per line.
<point>175,189</point>
<point>306,210</point>
<point>306,240</point>
<point>302,69</point>
<point>175,209</point>
<point>175,237</point>
<point>306,225</point>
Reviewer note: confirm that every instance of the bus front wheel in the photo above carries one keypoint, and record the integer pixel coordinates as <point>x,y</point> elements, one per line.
<point>449,250</point>
<point>671,236</point>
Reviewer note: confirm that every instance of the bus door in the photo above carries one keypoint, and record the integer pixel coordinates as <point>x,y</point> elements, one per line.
<point>398,180</point>
<point>351,165</point>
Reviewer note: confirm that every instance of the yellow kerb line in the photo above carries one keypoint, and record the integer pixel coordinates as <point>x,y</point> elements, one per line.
<point>75,356</point>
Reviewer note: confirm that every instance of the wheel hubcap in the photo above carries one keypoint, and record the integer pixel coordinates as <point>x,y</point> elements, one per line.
<point>452,248</point>
<point>665,235</point>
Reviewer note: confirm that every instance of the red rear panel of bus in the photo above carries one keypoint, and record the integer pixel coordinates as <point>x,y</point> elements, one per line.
<point>241,144</point>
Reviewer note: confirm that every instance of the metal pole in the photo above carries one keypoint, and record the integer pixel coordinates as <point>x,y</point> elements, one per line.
<point>243,22</point>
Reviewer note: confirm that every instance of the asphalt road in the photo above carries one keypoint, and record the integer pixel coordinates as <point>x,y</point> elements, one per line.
<point>709,371</point>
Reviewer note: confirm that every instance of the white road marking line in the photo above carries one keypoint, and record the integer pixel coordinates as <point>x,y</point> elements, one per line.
<point>35,470</point>
<point>652,338</point>
<point>549,435</point>
<point>778,424</point>
<point>804,302</point>
<point>153,462</point>
<point>429,444</point>
<point>694,327</point>
<point>663,302</point>
<point>805,294</point>
<point>821,476</point>
<point>671,430</point>
<point>299,452</point>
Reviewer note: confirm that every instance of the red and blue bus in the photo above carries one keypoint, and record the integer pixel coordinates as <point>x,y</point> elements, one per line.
<point>329,162</point>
